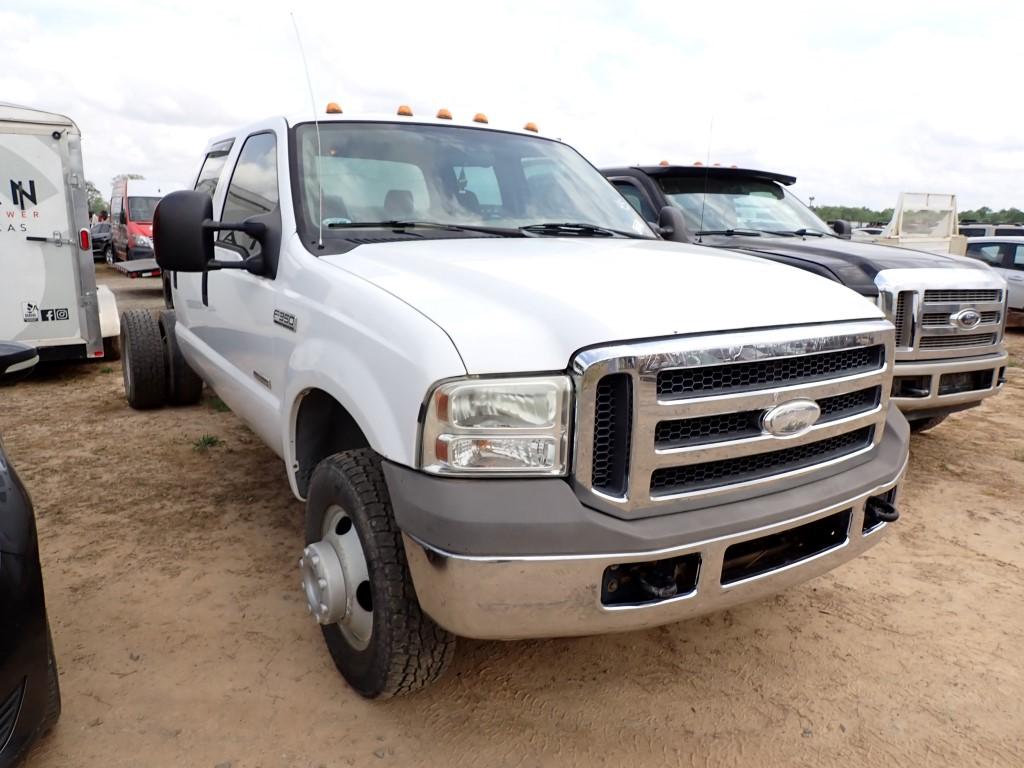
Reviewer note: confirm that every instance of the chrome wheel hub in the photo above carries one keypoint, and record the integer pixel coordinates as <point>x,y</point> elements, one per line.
<point>335,579</point>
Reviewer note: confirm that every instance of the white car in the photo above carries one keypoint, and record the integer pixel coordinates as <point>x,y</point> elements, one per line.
<point>511,410</point>
<point>1006,256</point>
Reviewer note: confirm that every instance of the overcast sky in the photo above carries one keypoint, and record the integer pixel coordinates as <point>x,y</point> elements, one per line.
<point>860,101</point>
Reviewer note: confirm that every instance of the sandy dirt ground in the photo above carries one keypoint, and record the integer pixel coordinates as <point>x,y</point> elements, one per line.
<point>183,639</point>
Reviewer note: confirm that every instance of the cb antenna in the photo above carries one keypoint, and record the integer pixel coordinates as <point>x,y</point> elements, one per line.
<point>319,152</point>
<point>707,176</point>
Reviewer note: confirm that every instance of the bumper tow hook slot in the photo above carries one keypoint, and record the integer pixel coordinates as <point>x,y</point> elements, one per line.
<point>882,510</point>
<point>657,583</point>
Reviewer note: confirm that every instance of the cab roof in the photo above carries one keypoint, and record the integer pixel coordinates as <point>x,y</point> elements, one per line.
<point>717,171</point>
<point>425,118</point>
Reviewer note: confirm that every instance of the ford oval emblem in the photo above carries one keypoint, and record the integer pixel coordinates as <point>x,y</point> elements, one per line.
<point>967,319</point>
<point>790,419</point>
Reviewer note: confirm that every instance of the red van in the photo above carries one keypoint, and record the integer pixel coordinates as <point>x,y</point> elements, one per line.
<point>131,215</point>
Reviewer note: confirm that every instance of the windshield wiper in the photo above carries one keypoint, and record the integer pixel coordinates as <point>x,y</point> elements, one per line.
<point>576,229</point>
<point>802,232</point>
<point>402,224</point>
<point>732,232</point>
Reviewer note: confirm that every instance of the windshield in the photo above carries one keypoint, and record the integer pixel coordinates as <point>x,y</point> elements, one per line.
<point>141,208</point>
<point>739,204</point>
<point>379,172</point>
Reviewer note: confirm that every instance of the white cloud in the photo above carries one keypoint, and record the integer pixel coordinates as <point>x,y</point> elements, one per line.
<point>859,105</point>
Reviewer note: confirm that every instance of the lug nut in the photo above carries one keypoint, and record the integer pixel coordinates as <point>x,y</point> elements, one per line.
<point>316,560</point>
<point>323,609</point>
<point>322,583</point>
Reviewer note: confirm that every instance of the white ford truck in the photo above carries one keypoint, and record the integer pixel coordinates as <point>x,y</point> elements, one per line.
<point>510,409</point>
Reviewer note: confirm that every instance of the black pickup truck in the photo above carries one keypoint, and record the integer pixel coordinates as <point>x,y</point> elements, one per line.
<point>949,311</point>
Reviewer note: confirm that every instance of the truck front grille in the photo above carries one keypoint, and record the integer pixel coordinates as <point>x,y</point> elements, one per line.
<point>668,425</point>
<point>925,325</point>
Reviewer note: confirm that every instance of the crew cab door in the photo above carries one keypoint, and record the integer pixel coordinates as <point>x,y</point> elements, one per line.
<point>1014,274</point>
<point>232,316</point>
<point>1007,259</point>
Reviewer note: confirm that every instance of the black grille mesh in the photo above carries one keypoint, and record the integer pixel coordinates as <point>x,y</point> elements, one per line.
<point>740,377</point>
<point>708,429</point>
<point>902,319</point>
<point>9,714</point>
<point>849,404</point>
<point>613,416</point>
<point>711,474</point>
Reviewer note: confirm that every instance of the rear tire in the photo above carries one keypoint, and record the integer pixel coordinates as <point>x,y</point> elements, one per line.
<point>184,387</point>
<point>922,425</point>
<point>108,255</point>
<point>405,650</point>
<point>142,345</point>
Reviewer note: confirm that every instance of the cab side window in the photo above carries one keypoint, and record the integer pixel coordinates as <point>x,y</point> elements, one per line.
<point>209,174</point>
<point>1018,258</point>
<point>253,190</point>
<point>990,253</point>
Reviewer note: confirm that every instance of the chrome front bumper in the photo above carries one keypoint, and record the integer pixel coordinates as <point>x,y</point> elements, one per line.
<point>933,370</point>
<point>506,598</point>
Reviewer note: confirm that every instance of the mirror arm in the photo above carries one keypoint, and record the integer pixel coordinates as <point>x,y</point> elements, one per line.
<point>254,229</point>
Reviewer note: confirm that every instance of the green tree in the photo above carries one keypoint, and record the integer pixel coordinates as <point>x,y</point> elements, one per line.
<point>96,201</point>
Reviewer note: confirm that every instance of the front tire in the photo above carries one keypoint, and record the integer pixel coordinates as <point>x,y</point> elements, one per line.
<point>108,255</point>
<point>142,347</point>
<point>399,649</point>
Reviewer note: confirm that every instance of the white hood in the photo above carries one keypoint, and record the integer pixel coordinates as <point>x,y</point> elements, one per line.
<point>528,304</point>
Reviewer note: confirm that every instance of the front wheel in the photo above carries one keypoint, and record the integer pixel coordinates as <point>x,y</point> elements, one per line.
<point>358,586</point>
<point>108,254</point>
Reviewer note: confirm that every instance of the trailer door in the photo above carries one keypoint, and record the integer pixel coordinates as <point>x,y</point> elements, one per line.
<point>39,253</point>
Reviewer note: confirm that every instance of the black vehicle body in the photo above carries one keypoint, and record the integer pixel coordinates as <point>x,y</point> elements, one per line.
<point>854,264</point>
<point>29,692</point>
<point>100,234</point>
<point>942,366</point>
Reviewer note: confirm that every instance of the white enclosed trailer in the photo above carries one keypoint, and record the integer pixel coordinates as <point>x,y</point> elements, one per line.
<point>48,292</point>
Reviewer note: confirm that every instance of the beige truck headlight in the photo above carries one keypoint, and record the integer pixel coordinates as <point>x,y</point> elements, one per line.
<point>502,426</point>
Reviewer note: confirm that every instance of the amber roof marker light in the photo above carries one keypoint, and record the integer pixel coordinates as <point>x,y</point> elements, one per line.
<point>333,108</point>
<point>531,126</point>
<point>664,163</point>
<point>444,114</point>
<point>480,117</point>
<point>405,110</point>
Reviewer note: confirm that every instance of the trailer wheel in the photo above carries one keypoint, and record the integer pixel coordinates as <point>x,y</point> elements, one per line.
<point>142,348</point>
<point>357,582</point>
<point>922,425</point>
<point>184,387</point>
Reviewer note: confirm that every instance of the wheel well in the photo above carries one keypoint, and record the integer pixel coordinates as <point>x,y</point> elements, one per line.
<point>322,427</point>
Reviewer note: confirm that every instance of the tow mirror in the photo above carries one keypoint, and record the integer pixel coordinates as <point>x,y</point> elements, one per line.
<point>183,228</point>
<point>842,228</point>
<point>16,361</point>
<point>180,241</point>
<point>672,225</point>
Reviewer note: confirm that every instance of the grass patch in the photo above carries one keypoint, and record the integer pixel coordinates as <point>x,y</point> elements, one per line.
<point>205,443</point>
<point>218,405</point>
<point>106,369</point>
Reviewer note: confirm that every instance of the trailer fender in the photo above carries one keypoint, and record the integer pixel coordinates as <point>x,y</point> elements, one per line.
<point>110,319</point>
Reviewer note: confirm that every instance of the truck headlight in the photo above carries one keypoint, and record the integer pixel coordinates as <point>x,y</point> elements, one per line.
<point>517,426</point>
<point>142,241</point>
